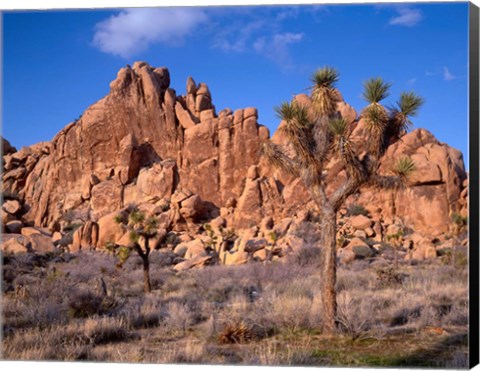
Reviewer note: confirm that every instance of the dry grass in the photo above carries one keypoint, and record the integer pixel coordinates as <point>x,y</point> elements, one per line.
<point>270,314</point>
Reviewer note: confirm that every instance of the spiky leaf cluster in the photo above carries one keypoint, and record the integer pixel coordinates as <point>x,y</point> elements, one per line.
<point>406,107</point>
<point>409,103</point>
<point>150,227</point>
<point>136,217</point>
<point>375,90</point>
<point>275,156</point>
<point>325,77</point>
<point>324,94</point>
<point>338,127</point>
<point>404,167</point>
<point>376,117</point>
<point>123,253</point>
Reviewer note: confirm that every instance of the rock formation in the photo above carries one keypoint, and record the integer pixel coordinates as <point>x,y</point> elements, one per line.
<point>143,144</point>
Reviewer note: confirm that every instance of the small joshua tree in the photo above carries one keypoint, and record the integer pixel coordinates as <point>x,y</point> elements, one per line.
<point>138,226</point>
<point>458,225</point>
<point>317,133</point>
<point>217,246</point>
<point>396,239</point>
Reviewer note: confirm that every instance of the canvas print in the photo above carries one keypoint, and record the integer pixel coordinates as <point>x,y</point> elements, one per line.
<point>255,185</point>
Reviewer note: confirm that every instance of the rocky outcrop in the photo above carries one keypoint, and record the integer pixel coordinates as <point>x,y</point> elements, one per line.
<point>140,141</point>
<point>184,162</point>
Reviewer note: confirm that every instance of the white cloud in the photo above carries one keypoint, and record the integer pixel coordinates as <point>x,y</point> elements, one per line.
<point>276,47</point>
<point>134,30</point>
<point>236,38</point>
<point>447,75</point>
<point>411,81</point>
<point>406,16</point>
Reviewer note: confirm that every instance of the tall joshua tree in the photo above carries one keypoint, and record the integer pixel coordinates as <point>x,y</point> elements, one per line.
<point>317,134</point>
<point>138,226</point>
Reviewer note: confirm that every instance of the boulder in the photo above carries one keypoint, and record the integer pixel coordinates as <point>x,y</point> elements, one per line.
<point>360,222</point>
<point>108,230</point>
<point>360,249</point>
<point>255,244</point>
<point>191,208</point>
<point>28,231</point>
<point>7,148</point>
<point>180,249</point>
<point>346,256</point>
<point>14,226</point>
<point>260,255</point>
<point>85,237</point>
<point>198,261</point>
<point>235,258</point>
<point>41,243</point>
<point>15,243</point>
<point>12,207</point>
<point>195,248</point>
<point>183,116</point>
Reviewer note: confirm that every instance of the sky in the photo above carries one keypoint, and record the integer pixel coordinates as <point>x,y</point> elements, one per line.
<point>57,63</point>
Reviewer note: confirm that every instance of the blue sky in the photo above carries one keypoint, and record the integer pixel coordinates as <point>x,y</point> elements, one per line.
<point>57,63</point>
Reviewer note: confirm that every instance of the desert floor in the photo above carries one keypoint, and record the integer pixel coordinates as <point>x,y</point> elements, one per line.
<point>61,306</point>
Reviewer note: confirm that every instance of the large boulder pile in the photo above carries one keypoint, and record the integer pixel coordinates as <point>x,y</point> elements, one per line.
<point>178,159</point>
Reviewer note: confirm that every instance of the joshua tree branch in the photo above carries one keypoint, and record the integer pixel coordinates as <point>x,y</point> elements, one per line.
<point>322,139</point>
<point>138,249</point>
<point>275,154</point>
<point>349,187</point>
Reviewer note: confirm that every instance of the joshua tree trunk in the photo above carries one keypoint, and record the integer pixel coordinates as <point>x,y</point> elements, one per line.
<point>147,287</point>
<point>328,225</point>
<point>395,247</point>
<point>146,267</point>
<point>454,251</point>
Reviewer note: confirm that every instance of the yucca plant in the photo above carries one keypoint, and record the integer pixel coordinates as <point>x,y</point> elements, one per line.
<point>406,107</point>
<point>324,94</point>
<point>375,90</point>
<point>404,167</point>
<point>298,129</point>
<point>375,115</point>
<point>317,133</point>
<point>235,333</point>
<point>338,127</point>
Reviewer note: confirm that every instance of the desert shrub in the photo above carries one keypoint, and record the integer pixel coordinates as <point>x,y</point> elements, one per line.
<point>353,316</point>
<point>191,352</point>
<point>290,313</point>
<point>84,304</point>
<point>307,255</point>
<point>357,209</point>
<point>459,361</point>
<point>389,276</point>
<point>71,342</point>
<point>179,317</point>
<point>143,312</point>
<point>362,280</point>
<point>273,354</point>
<point>105,330</point>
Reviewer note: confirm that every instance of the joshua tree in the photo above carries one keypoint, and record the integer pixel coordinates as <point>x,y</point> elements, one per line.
<point>458,225</point>
<point>396,239</point>
<point>318,133</point>
<point>138,226</point>
<point>218,246</point>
